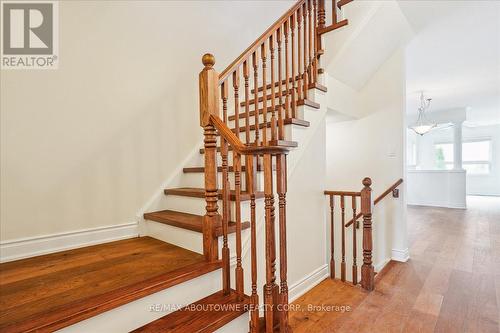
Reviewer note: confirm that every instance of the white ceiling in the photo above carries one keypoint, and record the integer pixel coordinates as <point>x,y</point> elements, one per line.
<point>375,31</point>
<point>455,57</point>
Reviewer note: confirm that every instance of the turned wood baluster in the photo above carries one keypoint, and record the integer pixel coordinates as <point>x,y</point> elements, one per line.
<point>287,70</point>
<point>305,76</point>
<point>310,45</point>
<point>237,202</point>
<point>270,286</point>
<point>280,86</point>
<point>247,102</point>
<point>273,95</point>
<point>236,88</point>
<point>332,237</point>
<point>281,179</point>
<point>250,165</point>
<point>321,14</point>
<point>342,264</point>
<point>315,52</point>
<point>300,78</point>
<point>354,244</point>
<point>256,95</point>
<point>225,195</point>
<point>209,104</point>
<point>295,75</point>
<point>367,270</point>
<point>321,21</point>
<point>334,11</point>
<point>237,189</point>
<point>263,54</point>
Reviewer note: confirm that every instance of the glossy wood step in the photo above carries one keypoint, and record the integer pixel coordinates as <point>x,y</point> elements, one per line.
<point>281,143</point>
<point>195,192</point>
<point>316,85</point>
<point>268,97</point>
<point>188,221</point>
<point>300,102</point>
<point>203,316</point>
<point>289,121</point>
<point>49,292</point>
<point>219,169</point>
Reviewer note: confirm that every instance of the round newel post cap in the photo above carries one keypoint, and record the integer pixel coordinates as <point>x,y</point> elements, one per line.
<point>208,60</point>
<point>367,182</point>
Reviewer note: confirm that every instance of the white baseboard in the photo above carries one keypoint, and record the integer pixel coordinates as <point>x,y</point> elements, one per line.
<point>400,255</point>
<point>308,282</point>
<point>35,246</point>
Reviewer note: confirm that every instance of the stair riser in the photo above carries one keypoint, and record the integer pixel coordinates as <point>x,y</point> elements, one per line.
<point>187,239</point>
<point>137,313</point>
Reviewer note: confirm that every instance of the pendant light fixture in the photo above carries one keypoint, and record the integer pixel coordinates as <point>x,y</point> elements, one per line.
<point>423,125</point>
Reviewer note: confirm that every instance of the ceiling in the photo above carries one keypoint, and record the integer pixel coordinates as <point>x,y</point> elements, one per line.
<point>455,57</point>
<point>375,31</point>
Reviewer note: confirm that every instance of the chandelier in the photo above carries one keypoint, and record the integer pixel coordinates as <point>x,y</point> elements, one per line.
<point>423,125</point>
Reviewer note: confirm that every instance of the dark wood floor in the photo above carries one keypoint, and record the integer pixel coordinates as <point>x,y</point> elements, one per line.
<point>450,284</point>
<point>41,286</point>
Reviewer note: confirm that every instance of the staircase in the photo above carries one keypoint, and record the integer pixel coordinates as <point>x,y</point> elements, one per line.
<point>250,114</point>
<point>340,202</point>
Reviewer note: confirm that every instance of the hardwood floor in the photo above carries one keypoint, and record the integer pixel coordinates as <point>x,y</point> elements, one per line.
<point>52,291</point>
<point>450,284</point>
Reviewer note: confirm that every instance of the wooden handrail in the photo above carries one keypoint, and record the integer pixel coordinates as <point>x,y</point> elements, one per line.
<point>255,45</point>
<point>344,193</point>
<point>378,199</point>
<point>389,190</point>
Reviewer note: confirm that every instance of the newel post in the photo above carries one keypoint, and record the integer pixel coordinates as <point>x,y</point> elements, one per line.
<point>367,270</point>
<point>209,104</point>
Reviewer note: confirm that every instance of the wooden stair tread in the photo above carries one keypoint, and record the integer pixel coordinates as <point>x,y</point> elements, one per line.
<point>284,92</point>
<point>300,102</point>
<point>315,85</point>
<point>219,169</point>
<point>202,315</point>
<point>52,291</point>
<point>289,121</point>
<point>196,192</point>
<point>188,221</point>
<point>281,143</point>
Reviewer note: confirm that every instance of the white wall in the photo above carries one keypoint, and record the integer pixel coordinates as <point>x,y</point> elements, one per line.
<point>87,145</point>
<point>373,146</point>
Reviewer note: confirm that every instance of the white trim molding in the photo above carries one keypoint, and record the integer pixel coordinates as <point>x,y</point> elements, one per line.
<point>308,282</point>
<point>400,255</point>
<point>35,246</point>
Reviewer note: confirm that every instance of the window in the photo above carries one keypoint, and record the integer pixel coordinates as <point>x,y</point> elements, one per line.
<point>444,156</point>
<point>476,156</point>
